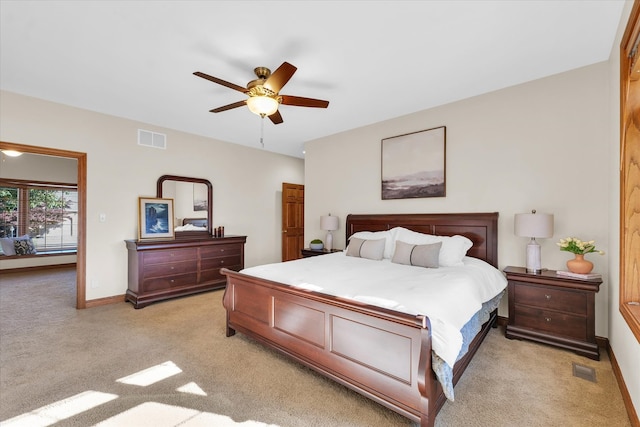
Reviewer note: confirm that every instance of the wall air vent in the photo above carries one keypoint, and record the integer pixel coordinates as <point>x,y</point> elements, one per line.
<point>152,139</point>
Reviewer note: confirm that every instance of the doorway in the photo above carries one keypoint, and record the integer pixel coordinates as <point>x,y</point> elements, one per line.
<point>81,159</point>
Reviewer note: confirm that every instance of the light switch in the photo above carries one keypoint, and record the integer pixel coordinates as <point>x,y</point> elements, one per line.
<point>103,217</point>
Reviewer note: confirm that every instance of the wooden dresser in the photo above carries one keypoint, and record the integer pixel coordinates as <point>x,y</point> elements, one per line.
<point>553,309</point>
<point>162,269</point>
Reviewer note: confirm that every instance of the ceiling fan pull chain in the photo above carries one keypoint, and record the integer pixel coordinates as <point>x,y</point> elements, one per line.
<point>261,129</point>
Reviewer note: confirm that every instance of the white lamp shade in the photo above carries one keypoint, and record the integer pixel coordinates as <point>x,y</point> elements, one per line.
<point>262,105</point>
<point>329,223</point>
<point>533,225</point>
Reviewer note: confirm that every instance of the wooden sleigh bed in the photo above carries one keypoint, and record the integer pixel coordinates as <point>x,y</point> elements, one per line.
<point>382,354</point>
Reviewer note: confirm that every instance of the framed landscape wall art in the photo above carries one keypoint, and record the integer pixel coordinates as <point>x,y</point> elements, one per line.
<point>413,165</point>
<point>155,218</point>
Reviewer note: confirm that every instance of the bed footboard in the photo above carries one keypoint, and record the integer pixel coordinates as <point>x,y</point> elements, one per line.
<point>381,354</point>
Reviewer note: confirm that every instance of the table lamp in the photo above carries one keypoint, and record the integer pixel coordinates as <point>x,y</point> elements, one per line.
<point>533,225</point>
<point>328,223</point>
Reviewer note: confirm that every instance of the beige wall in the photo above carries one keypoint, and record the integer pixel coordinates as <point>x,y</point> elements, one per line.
<point>247,182</point>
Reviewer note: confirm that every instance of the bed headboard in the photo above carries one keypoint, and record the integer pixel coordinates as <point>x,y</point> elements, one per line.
<point>198,222</point>
<point>480,228</point>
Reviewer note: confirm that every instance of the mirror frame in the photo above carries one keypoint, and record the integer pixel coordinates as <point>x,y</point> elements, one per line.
<point>182,234</point>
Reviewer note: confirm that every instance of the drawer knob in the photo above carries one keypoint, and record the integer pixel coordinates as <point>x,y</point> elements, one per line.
<point>548,297</point>
<point>172,268</point>
<point>172,280</point>
<point>548,319</point>
<point>222,262</point>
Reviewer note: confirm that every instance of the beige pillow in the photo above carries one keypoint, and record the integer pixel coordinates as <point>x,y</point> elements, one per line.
<point>370,249</point>
<point>418,255</point>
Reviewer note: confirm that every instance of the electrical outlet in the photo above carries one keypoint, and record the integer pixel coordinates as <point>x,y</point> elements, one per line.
<point>103,217</point>
<point>95,284</point>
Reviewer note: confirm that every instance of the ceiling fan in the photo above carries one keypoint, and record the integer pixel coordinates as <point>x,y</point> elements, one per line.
<point>264,93</point>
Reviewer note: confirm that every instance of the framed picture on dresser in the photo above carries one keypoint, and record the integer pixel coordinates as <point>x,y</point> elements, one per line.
<point>155,218</point>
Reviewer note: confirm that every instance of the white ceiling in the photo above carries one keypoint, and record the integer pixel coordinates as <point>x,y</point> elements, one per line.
<point>373,60</point>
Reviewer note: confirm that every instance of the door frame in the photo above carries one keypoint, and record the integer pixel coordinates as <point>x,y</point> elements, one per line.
<point>81,259</point>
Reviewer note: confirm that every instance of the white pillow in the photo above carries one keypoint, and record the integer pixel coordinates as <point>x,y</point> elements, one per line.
<point>8,244</point>
<point>453,249</point>
<point>370,249</point>
<point>389,243</point>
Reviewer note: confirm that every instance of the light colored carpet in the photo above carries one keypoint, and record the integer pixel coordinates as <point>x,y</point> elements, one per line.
<point>57,362</point>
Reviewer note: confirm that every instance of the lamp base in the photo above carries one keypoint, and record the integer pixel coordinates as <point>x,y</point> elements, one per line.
<point>328,244</point>
<point>533,257</point>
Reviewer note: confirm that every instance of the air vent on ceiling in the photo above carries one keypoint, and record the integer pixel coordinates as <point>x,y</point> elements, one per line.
<point>152,139</point>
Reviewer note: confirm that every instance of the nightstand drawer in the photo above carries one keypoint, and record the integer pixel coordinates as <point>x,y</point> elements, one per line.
<point>549,298</point>
<point>551,321</point>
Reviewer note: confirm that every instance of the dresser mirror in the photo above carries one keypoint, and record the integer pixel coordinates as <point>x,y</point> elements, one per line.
<point>192,204</point>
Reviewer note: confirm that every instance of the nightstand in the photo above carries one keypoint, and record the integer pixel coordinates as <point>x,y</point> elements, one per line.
<point>307,252</point>
<point>553,309</point>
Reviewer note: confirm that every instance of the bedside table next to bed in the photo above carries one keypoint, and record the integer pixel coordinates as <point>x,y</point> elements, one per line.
<point>307,252</point>
<point>553,309</point>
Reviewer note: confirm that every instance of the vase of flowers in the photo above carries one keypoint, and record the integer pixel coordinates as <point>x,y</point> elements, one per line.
<point>579,248</point>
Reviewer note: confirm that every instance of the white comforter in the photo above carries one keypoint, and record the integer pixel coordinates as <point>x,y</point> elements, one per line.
<point>449,296</point>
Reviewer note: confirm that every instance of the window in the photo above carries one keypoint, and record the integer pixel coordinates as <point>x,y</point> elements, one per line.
<point>47,212</point>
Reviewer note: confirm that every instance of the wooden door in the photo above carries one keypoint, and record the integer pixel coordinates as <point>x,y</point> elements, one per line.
<point>292,221</point>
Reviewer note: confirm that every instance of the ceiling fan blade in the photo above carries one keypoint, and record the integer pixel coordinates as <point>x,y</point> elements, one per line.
<point>221,82</point>
<point>280,77</point>
<point>229,107</point>
<point>276,118</point>
<point>303,102</point>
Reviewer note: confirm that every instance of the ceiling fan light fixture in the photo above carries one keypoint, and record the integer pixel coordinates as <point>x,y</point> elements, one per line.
<point>262,105</point>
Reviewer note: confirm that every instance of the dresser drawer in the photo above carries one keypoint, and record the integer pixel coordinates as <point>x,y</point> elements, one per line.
<point>169,282</point>
<point>226,261</point>
<point>215,275</point>
<point>170,269</point>
<point>549,298</point>
<point>220,250</point>
<point>172,255</point>
<point>551,321</point>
